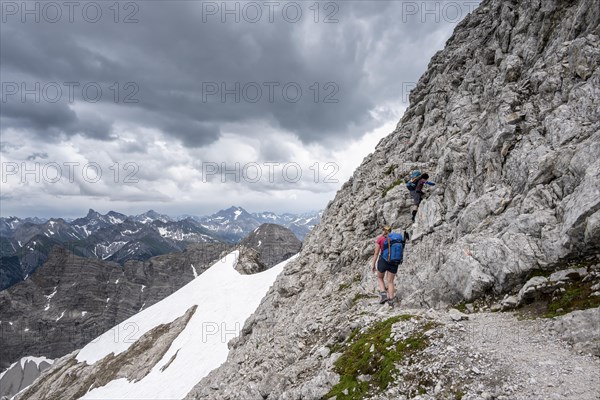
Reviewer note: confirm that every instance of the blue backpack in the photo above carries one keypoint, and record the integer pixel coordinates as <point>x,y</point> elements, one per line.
<point>413,180</point>
<point>393,248</point>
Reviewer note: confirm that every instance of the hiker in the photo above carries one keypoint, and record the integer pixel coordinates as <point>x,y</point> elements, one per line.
<point>386,258</point>
<point>415,186</point>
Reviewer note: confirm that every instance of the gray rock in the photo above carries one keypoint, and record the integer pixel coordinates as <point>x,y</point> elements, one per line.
<point>581,329</point>
<point>568,274</point>
<point>509,303</point>
<point>456,315</point>
<point>271,243</point>
<point>530,288</point>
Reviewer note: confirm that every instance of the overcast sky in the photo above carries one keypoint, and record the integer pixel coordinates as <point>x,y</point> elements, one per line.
<point>187,107</point>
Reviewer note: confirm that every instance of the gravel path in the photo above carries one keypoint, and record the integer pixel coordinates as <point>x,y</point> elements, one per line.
<point>495,356</point>
<point>533,363</point>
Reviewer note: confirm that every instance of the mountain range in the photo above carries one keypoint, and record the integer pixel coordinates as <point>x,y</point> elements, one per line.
<point>25,244</point>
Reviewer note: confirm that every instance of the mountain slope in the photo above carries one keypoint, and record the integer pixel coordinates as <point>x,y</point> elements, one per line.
<point>506,121</point>
<point>168,347</point>
<point>70,300</point>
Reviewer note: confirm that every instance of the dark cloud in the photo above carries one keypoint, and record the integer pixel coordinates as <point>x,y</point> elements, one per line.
<point>193,133</point>
<point>35,156</point>
<point>179,88</point>
<point>189,73</point>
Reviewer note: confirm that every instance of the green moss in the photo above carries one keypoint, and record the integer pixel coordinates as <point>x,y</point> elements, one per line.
<point>458,395</point>
<point>462,307</point>
<point>359,296</point>
<point>576,297</point>
<point>358,359</point>
<point>393,185</point>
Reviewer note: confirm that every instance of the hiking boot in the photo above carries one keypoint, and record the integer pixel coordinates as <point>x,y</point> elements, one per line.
<point>391,302</point>
<point>384,297</point>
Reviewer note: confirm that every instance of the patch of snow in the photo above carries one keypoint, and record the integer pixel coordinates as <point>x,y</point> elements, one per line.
<point>203,342</point>
<point>10,323</point>
<point>236,214</point>
<point>51,295</point>
<point>20,245</point>
<point>61,315</point>
<point>143,286</point>
<point>85,230</point>
<point>194,271</point>
<point>83,313</point>
<point>117,281</point>
<point>259,243</point>
<point>114,220</point>
<point>36,360</point>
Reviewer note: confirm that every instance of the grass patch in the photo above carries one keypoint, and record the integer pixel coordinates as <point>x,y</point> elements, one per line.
<point>393,185</point>
<point>357,278</point>
<point>462,307</point>
<point>575,297</point>
<point>539,272</point>
<point>374,353</point>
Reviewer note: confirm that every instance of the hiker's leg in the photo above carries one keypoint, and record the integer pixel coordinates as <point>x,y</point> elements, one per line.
<point>380,282</point>
<point>390,284</point>
<point>416,200</point>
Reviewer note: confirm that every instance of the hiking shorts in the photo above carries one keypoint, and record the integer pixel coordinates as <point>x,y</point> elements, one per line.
<point>417,197</point>
<point>383,265</point>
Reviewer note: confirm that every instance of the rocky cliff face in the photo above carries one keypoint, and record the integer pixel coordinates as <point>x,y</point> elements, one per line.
<point>506,120</point>
<point>22,374</point>
<point>273,243</point>
<point>70,300</point>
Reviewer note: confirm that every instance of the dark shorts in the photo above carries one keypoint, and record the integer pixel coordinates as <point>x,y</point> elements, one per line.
<point>383,265</point>
<point>417,197</point>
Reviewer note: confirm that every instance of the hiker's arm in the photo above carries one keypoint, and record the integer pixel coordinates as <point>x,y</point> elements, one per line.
<point>375,255</point>
<point>430,183</point>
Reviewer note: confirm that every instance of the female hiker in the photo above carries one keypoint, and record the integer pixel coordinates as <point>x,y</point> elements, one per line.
<point>384,266</point>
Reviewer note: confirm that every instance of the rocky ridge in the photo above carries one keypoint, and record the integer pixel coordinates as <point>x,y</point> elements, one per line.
<point>268,245</point>
<point>507,122</point>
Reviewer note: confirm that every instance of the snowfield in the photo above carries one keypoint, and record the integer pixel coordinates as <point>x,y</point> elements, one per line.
<point>225,299</point>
